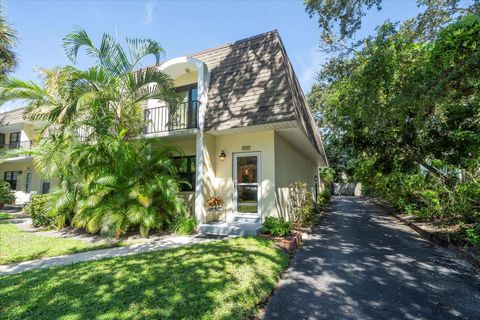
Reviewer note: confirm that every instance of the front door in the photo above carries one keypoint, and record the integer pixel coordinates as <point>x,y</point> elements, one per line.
<point>246,175</point>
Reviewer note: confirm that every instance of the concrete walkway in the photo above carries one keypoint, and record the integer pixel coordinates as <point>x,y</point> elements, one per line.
<point>165,242</point>
<point>363,264</point>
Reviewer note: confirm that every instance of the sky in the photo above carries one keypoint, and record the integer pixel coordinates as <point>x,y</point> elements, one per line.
<point>182,27</point>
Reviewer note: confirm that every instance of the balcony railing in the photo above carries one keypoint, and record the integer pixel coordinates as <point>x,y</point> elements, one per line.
<point>166,118</point>
<point>17,145</point>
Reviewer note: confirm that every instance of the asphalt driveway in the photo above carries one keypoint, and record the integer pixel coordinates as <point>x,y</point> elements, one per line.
<point>363,264</point>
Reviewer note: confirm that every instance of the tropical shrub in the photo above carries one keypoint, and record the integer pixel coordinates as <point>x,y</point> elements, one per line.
<point>37,210</point>
<point>123,185</point>
<point>184,225</point>
<point>6,194</point>
<point>277,227</point>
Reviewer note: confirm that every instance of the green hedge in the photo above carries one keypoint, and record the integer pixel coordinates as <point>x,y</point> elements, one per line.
<point>36,210</point>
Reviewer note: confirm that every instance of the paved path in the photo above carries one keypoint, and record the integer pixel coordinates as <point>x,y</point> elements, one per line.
<point>165,242</point>
<point>363,264</point>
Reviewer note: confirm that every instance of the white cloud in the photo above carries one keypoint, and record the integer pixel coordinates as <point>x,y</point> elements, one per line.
<point>308,64</point>
<point>149,8</point>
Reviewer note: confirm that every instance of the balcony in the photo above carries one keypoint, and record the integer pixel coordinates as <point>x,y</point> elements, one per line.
<point>17,145</point>
<point>164,119</point>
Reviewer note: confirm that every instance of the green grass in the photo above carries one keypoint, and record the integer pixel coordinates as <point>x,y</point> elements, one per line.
<point>17,245</point>
<point>5,216</point>
<point>217,280</point>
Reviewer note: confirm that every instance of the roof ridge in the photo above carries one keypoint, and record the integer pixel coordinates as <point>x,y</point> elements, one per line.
<point>275,31</point>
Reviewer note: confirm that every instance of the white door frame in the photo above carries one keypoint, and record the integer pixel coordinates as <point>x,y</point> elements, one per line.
<point>26,179</point>
<point>237,155</point>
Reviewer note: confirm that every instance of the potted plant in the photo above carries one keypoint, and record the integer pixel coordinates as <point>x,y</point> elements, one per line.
<point>6,194</point>
<point>215,204</point>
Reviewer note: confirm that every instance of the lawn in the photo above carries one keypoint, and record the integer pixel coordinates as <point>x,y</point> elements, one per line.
<point>4,216</point>
<point>217,280</point>
<point>17,245</point>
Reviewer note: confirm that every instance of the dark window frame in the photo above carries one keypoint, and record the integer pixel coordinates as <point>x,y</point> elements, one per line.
<point>15,143</point>
<point>192,104</point>
<point>10,180</point>
<point>189,174</point>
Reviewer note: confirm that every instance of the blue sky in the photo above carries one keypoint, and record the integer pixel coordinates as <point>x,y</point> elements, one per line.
<point>182,27</point>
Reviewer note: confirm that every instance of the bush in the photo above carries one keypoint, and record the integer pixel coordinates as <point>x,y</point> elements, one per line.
<point>324,198</point>
<point>36,209</point>
<point>6,194</point>
<point>277,227</point>
<point>473,236</point>
<point>184,225</point>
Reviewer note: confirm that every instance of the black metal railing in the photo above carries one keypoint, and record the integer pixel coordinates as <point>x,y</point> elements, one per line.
<point>167,118</point>
<point>17,145</point>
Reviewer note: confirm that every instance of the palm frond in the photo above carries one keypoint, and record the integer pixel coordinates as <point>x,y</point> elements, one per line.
<point>75,40</point>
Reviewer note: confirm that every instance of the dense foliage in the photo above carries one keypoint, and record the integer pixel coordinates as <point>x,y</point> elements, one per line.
<point>36,209</point>
<point>6,194</point>
<point>109,180</point>
<point>339,20</point>
<point>277,227</point>
<point>402,116</point>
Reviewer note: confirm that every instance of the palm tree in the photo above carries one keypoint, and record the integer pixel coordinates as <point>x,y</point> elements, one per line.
<point>8,39</point>
<point>109,180</point>
<point>111,92</point>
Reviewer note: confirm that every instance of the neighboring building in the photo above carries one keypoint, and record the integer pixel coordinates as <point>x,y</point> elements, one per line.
<point>16,133</point>
<point>244,127</point>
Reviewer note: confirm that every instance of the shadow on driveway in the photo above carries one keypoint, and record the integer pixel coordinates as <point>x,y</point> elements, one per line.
<point>363,264</point>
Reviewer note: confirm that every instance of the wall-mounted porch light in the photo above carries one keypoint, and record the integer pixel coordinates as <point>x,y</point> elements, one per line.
<point>19,172</point>
<point>315,178</point>
<point>222,156</point>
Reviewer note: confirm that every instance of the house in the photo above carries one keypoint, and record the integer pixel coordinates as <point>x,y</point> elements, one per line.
<point>244,128</point>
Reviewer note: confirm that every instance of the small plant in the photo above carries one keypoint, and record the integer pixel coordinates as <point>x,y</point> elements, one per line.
<point>6,194</point>
<point>36,209</point>
<point>215,202</point>
<point>473,236</point>
<point>184,225</point>
<point>277,227</point>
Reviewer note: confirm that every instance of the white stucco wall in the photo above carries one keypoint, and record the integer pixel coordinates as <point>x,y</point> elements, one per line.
<point>290,166</point>
<point>262,142</point>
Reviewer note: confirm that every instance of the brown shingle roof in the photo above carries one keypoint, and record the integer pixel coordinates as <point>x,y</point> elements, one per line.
<point>252,82</point>
<point>11,117</point>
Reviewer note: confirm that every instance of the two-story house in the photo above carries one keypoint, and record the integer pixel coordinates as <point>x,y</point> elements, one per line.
<point>244,128</point>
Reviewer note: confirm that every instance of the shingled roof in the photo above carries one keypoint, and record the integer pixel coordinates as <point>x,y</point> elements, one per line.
<point>252,82</point>
<point>11,117</point>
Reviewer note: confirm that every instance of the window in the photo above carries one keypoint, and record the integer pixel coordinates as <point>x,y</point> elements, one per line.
<point>28,181</point>
<point>45,186</point>
<point>189,108</point>
<point>186,171</point>
<point>11,178</point>
<point>14,139</point>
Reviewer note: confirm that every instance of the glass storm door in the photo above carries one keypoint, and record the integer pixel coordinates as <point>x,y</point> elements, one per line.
<point>246,175</point>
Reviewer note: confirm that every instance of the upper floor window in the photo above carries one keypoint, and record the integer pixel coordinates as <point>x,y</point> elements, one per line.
<point>15,139</point>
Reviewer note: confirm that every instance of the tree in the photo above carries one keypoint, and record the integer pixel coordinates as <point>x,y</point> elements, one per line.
<point>8,40</point>
<point>109,180</point>
<point>339,20</point>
